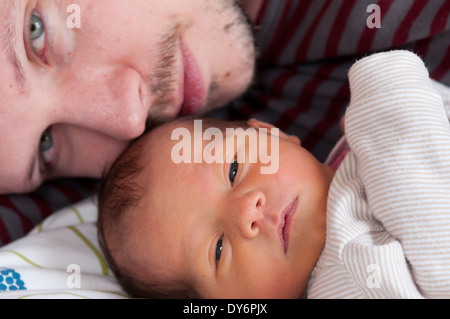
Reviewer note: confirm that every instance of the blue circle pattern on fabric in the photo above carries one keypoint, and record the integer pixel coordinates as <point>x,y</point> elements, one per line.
<point>10,280</point>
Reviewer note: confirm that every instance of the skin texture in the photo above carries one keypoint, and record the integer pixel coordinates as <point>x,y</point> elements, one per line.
<point>176,229</point>
<point>71,99</point>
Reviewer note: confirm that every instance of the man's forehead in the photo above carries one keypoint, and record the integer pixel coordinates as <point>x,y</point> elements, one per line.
<point>6,6</point>
<point>8,42</point>
<point>7,23</point>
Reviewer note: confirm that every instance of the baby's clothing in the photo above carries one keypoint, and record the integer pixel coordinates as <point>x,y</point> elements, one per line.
<point>338,154</point>
<point>388,222</point>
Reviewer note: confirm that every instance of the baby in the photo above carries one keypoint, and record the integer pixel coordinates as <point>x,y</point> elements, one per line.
<point>220,229</point>
<point>175,223</point>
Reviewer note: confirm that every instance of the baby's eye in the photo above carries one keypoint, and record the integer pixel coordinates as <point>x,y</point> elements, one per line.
<point>219,249</point>
<point>233,171</point>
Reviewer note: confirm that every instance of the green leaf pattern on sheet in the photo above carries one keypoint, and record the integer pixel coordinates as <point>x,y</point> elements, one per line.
<point>22,257</point>
<point>102,261</point>
<point>41,266</point>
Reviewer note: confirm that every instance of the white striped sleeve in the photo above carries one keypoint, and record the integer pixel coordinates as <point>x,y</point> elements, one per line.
<point>399,132</point>
<point>388,222</point>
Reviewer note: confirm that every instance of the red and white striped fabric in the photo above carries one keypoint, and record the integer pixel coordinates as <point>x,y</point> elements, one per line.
<point>307,48</point>
<point>19,213</point>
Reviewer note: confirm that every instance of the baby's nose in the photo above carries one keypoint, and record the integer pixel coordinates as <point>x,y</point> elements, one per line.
<point>250,213</point>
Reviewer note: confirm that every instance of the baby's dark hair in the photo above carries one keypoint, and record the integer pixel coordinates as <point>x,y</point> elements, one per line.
<point>120,193</point>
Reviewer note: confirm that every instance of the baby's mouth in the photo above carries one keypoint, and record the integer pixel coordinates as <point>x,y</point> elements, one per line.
<point>285,223</point>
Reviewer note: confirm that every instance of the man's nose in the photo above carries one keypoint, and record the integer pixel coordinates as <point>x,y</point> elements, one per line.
<point>249,213</point>
<point>106,100</point>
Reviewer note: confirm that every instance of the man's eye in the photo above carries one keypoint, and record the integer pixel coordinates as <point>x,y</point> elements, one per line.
<point>46,142</point>
<point>36,35</point>
<point>233,171</point>
<point>46,147</point>
<point>36,27</point>
<point>219,249</point>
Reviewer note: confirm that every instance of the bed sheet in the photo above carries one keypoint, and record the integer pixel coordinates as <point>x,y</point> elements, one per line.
<point>59,258</point>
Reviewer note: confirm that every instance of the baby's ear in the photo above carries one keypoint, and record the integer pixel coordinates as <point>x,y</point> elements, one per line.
<point>259,124</point>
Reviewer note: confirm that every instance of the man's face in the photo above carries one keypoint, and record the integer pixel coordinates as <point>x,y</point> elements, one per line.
<point>80,79</point>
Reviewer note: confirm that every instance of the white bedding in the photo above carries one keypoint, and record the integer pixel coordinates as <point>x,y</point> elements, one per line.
<point>60,258</point>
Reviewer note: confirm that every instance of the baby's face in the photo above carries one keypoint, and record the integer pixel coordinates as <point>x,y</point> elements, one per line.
<point>229,229</point>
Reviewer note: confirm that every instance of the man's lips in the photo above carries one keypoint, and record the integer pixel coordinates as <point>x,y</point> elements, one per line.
<point>193,87</point>
<point>285,222</point>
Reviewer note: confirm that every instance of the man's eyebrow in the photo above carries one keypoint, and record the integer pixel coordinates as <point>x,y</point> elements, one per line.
<point>8,40</point>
